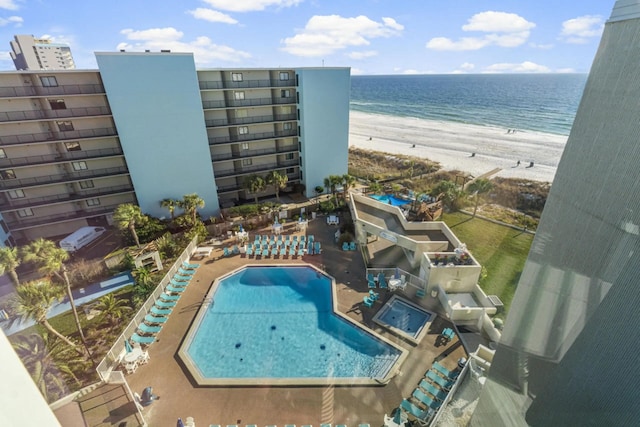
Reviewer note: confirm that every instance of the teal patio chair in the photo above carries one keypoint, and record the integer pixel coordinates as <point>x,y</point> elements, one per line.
<point>142,340</point>
<point>147,330</point>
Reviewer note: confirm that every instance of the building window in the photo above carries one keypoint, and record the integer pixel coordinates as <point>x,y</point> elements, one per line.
<point>25,212</point>
<point>243,130</point>
<point>242,113</point>
<point>247,162</point>
<point>48,81</point>
<point>245,146</point>
<point>290,171</point>
<point>298,114</point>
<point>7,174</point>
<point>3,155</point>
<point>287,126</point>
<point>73,146</point>
<point>57,104</point>
<point>289,156</point>
<point>86,184</point>
<point>284,75</point>
<point>79,166</point>
<point>300,175</point>
<point>300,146</point>
<point>285,93</point>
<point>300,160</point>
<point>93,202</point>
<point>236,77</point>
<point>238,96</point>
<point>286,109</point>
<point>298,97</point>
<point>65,126</point>
<point>16,194</point>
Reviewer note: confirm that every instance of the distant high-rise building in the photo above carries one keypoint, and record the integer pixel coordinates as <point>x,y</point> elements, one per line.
<point>569,352</point>
<point>29,53</point>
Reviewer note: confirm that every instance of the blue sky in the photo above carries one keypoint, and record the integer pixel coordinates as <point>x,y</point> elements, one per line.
<point>370,36</point>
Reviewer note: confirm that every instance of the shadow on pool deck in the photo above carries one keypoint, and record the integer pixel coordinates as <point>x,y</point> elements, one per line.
<point>179,397</point>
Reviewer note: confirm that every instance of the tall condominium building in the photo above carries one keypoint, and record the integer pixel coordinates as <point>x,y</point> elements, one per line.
<point>29,53</point>
<point>569,352</point>
<point>149,126</point>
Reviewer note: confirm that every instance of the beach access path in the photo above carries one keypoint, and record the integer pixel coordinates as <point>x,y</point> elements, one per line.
<point>453,145</point>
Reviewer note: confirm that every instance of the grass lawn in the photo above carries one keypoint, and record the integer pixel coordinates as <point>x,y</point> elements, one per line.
<point>501,250</point>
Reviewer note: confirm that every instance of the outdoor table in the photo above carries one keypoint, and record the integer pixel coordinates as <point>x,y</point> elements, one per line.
<point>133,355</point>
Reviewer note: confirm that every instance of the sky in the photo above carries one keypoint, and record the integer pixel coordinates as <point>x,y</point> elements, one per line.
<point>370,36</point>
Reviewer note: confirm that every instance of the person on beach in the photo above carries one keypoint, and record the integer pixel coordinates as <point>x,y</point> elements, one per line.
<point>518,164</point>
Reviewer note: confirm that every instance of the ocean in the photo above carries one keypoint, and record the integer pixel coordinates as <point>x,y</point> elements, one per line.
<point>536,102</point>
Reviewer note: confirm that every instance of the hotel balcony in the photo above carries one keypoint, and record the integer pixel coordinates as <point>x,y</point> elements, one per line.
<point>60,157</point>
<point>28,138</point>
<point>10,184</point>
<point>235,121</point>
<point>29,222</point>
<point>246,84</point>
<point>224,189</point>
<point>30,91</point>
<point>255,102</point>
<point>250,137</point>
<point>254,153</point>
<point>246,170</point>
<point>15,204</point>
<point>17,116</point>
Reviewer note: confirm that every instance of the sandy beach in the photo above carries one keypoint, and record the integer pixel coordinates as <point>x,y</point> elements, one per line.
<point>452,145</point>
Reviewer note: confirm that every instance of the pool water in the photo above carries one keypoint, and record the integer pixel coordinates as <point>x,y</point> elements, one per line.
<point>278,322</point>
<point>389,199</point>
<point>403,317</point>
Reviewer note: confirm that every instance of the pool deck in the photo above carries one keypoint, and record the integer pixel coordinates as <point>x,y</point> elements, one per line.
<point>269,405</point>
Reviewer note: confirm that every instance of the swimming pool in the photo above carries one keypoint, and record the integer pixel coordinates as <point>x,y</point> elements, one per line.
<point>390,199</point>
<point>277,325</point>
<point>404,318</point>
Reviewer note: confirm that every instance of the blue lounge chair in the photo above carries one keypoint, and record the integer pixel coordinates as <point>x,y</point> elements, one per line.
<point>164,304</point>
<point>367,301</point>
<point>265,253</point>
<point>142,340</point>
<point>318,248</point>
<point>250,251</point>
<point>302,245</point>
<point>150,318</point>
<point>436,392</point>
<point>274,252</point>
<point>295,238</point>
<point>310,238</point>
<point>146,329</point>
<point>374,295</point>
<point>444,371</point>
<point>352,246</point>
<point>437,379</point>
<point>303,238</point>
<point>283,251</point>
<point>448,334</point>
<point>180,278</point>
<point>287,239</point>
<point>236,250</point>
<point>188,266</point>
<point>413,409</point>
<point>345,246</point>
<point>426,400</point>
<point>175,289</point>
<point>301,252</point>
<point>226,251</point>
<point>183,272</point>
<point>382,281</point>
<point>169,297</point>
<point>292,251</point>
<point>177,284</point>
<point>160,311</point>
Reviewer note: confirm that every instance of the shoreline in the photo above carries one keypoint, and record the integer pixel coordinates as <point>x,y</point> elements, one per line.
<point>457,146</point>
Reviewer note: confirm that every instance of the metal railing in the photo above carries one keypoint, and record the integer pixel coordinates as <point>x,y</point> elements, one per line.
<point>57,136</point>
<point>253,153</point>
<point>245,84</point>
<point>13,204</point>
<point>250,120</point>
<point>252,102</point>
<point>88,89</point>
<point>251,136</point>
<point>8,184</point>
<point>59,157</point>
<point>29,222</point>
<point>254,168</point>
<point>14,116</point>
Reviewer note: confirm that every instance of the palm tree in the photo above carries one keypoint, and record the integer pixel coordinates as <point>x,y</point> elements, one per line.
<point>32,301</point>
<point>332,182</point>
<point>278,180</point>
<point>127,216</point>
<point>255,184</point>
<point>171,205</point>
<point>319,190</point>
<point>348,181</point>
<point>9,261</point>
<point>113,309</point>
<point>190,203</point>
<point>375,187</point>
<point>478,187</point>
<point>50,260</point>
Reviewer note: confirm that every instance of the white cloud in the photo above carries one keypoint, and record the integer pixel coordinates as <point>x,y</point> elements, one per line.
<point>204,50</point>
<point>467,66</point>
<point>15,20</point>
<point>356,71</point>
<point>565,70</point>
<point>579,30</point>
<point>250,5</point>
<point>9,5</point>
<point>541,46</point>
<point>212,15</point>
<point>324,35</point>
<point>362,54</point>
<point>503,29</point>
<point>523,67</point>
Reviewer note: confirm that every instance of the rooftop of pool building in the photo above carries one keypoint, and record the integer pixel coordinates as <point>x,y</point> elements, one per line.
<point>278,325</point>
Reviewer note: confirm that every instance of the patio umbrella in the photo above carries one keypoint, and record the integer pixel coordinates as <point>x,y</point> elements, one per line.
<point>397,273</point>
<point>241,229</point>
<point>180,423</point>
<point>399,417</point>
<point>127,346</point>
